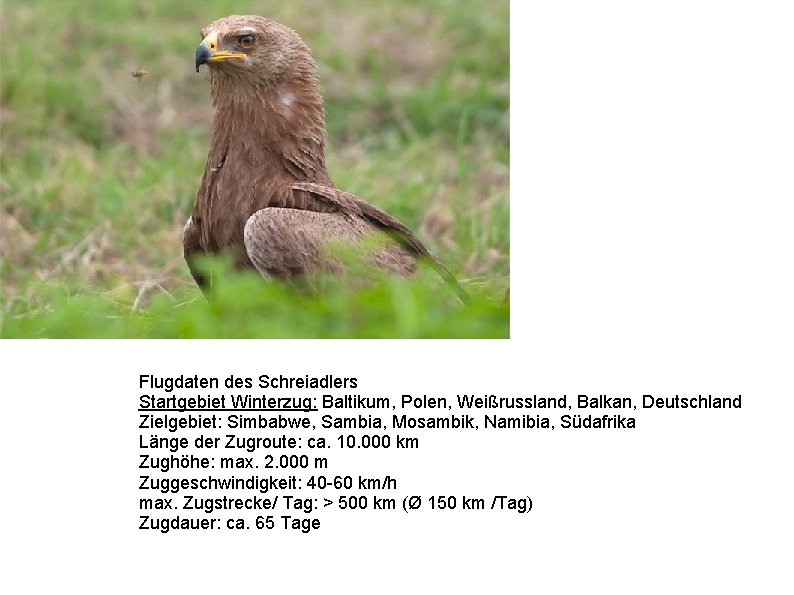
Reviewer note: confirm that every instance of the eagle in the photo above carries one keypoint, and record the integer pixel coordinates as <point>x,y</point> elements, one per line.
<point>266,194</point>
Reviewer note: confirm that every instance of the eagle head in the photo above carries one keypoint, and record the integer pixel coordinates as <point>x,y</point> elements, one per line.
<point>253,47</point>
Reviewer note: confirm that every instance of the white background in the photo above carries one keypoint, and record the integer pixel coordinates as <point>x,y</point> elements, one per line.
<point>651,209</point>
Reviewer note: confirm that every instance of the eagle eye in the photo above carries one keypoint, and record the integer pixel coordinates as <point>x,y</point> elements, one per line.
<point>246,41</point>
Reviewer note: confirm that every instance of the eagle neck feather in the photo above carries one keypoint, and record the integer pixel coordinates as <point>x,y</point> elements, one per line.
<point>261,145</point>
<point>275,137</point>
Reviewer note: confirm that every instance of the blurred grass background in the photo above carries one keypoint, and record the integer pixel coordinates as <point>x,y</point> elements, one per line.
<point>99,169</point>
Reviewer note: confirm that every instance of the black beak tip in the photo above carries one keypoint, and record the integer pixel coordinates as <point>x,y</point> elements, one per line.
<point>203,55</point>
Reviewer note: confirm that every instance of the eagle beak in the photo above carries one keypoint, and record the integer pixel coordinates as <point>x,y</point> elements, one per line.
<point>208,52</point>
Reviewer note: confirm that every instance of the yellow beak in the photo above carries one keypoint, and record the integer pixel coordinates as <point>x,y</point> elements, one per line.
<point>208,52</point>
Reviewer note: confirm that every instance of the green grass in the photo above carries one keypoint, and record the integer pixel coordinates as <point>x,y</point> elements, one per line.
<point>98,170</point>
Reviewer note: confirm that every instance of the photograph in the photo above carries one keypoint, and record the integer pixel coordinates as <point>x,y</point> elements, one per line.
<point>299,169</point>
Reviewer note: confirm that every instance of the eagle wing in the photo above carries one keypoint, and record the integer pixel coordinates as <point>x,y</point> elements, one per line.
<point>323,197</point>
<point>191,243</point>
<point>312,196</point>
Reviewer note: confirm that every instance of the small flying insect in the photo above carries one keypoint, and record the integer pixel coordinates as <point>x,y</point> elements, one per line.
<point>139,73</point>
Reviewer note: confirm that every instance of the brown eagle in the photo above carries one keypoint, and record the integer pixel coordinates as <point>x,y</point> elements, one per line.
<point>266,193</point>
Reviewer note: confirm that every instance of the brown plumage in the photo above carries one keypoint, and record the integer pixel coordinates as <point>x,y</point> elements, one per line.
<point>266,193</point>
